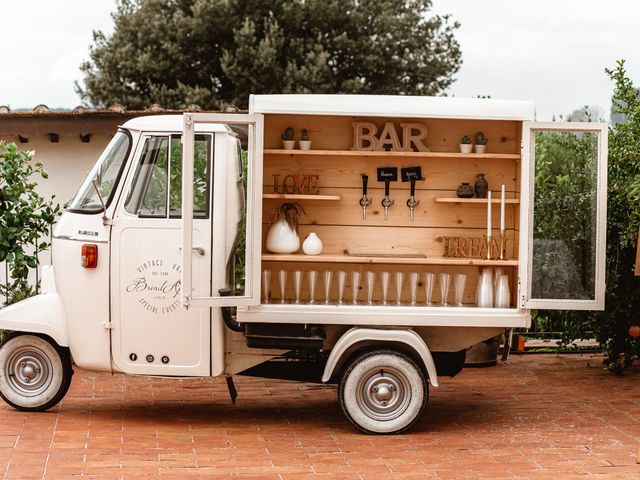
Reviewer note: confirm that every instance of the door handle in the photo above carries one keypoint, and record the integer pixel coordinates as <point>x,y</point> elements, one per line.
<point>199,250</point>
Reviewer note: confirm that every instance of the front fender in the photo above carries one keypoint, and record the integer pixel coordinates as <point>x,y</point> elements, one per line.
<point>368,336</point>
<point>43,313</point>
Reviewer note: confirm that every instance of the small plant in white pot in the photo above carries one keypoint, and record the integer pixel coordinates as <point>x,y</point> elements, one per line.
<point>287,139</point>
<point>465,144</point>
<point>305,143</point>
<point>481,142</point>
<point>283,234</point>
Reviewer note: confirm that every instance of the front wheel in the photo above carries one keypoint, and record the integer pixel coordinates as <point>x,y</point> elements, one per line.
<point>383,391</point>
<point>35,374</point>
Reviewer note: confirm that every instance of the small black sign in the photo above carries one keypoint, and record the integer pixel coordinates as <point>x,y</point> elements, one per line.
<point>388,174</point>
<point>411,174</point>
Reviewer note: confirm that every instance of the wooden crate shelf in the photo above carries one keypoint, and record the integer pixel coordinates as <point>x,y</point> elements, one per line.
<point>512,201</point>
<point>272,257</point>
<point>360,153</point>
<point>298,196</point>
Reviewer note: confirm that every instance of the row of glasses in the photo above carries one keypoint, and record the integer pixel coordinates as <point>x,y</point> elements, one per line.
<point>429,280</point>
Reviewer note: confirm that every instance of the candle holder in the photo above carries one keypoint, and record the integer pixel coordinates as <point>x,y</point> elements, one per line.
<point>502,240</point>
<point>283,285</point>
<point>355,287</point>
<point>413,286</point>
<point>328,274</point>
<point>399,281</point>
<point>342,276</point>
<point>266,280</point>
<point>312,276</point>
<point>488,257</point>
<point>297,284</point>
<point>385,287</point>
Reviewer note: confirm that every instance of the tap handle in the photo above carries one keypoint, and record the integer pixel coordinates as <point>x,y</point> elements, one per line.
<point>413,188</point>
<point>387,184</point>
<point>365,180</point>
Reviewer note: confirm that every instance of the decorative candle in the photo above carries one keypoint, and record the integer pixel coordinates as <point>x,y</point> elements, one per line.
<point>502,211</point>
<point>488,215</point>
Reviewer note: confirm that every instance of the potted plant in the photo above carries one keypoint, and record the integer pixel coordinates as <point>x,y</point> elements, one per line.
<point>287,139</point>
<point>481,142</point>
<point>305,143</point>
<point>283,233</point>
<point>465,144</point>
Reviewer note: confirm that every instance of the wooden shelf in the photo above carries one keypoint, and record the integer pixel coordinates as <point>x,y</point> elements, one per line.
<point>298,196</point>
<point>513,201</point>
<point>273,257</point>
<point>361,153</point>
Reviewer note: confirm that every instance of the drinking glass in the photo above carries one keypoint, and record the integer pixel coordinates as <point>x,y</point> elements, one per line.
<point>459,282</point>
<point>399,281</point>
<point>429,281</point>
<point>355,286</point>
<point>342,276</point>
<point>328,274</point>
<point>297,284</point>
<point>371,281</point>
<point>283,285</point>
<point>503,295</point>
<point>312,277</point>
<point>485,289</point>
<point>413,285</point>
<point>445,280</point>
<point>266,280</point>
<point>385,287</point>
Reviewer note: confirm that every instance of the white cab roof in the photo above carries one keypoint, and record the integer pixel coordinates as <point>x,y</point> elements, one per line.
<point>168,123</point>
<point>394,106</point>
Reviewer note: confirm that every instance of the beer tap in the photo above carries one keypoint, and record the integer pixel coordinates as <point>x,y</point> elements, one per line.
<point>412,174</point>
<point>364,201</point>
<point>387,175</point>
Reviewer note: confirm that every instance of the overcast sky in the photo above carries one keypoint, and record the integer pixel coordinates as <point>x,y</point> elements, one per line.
<point>551,51</point>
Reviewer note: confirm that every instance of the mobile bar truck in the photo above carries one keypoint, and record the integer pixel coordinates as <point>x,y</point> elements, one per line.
<point>166,263</point>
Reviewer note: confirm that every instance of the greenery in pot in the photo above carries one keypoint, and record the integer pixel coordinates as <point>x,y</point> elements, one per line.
<point>291,213</point>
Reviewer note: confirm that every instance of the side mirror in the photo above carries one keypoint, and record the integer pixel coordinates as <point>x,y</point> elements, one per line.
<point>96,186</point>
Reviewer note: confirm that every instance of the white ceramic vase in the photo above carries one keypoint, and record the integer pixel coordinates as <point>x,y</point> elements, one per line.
<point>480,148</point>
<point>282,239</point>
<point>312,245</point>
<point>288,144</point>
<point>305,144</point>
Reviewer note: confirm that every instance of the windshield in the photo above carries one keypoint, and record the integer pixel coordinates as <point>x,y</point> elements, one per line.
<point>107,172</point>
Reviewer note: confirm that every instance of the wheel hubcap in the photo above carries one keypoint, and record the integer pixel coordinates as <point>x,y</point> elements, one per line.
<point>28,371</point>
<point>383,394</point>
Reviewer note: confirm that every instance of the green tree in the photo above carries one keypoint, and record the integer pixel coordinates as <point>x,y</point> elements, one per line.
<point>25,219</point>
<point>568,179</point>
<point>216,52</point>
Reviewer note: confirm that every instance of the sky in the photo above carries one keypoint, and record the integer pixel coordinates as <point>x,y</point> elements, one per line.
<point>553,52</point>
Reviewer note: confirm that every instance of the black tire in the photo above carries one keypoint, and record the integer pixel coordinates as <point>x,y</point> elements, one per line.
<point>383,392</point>
<point>35,373</point>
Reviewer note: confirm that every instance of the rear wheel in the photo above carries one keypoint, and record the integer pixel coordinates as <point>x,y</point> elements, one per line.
<point>35,374</point>
<point>383,391</point>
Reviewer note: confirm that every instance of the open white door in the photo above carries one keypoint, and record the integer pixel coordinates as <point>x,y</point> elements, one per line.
<point>563,227</point>
<point>236,207</point>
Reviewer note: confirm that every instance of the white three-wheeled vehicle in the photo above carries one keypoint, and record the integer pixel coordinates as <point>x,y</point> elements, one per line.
<point>161,266</point>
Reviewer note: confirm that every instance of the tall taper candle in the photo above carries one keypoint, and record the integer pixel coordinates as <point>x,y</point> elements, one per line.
<point>488,215</point>
<point>502,211</point>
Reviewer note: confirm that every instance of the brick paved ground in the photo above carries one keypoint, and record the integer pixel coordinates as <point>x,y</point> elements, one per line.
<point>541,416</point>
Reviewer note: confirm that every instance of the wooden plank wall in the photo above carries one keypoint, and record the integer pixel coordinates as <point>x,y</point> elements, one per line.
<point>339,224</point>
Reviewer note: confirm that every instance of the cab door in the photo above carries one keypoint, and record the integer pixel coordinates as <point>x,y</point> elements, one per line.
<point>564,214</point>
<point>151,333</point>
